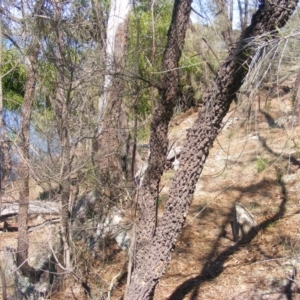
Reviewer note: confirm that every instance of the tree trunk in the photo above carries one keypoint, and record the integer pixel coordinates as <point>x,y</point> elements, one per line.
<point>241,14</point>
<point>296,97</point>
<point>23,240</point>
<point>5,159</point>
<point>159,125</point>
<point>61,106</point>
<point>3,155</point>
<point>2,140</point>
<point>11,209</point>
<point>30,52</point>
<point>152,261</point>
<point>119,10</point>
<point>244,13</point>
<point>231,13</point>
<point>111,149</point>
<point>159,135</point>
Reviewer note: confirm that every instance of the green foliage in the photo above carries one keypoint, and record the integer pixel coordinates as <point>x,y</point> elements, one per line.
<point>105,5</point>
<point>230,133</point>
<point>47,76</point>
<point>143,133</point>
<point>143,57</point>
<point>146,61</point>
<point>13,80</point>
<point>261,164</point>
<point>191,66</point>
<point>43,120</point>
<point>162,198</point>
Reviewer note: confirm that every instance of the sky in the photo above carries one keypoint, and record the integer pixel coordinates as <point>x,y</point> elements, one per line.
<point>196,19</point>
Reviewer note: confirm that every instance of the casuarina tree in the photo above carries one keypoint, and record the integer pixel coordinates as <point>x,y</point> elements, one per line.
<point>154,243</point>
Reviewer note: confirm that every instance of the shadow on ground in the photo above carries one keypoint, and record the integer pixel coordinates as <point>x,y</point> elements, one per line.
<point>214,266</point>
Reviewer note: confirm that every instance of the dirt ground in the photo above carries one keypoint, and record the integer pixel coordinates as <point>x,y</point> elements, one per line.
<point>254,161</point>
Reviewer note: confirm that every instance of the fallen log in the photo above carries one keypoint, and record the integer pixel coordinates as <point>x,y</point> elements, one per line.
<point>40,213</point>
<point>10,209</point>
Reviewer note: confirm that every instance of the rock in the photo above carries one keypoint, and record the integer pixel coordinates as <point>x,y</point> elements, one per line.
<point>263,125</point>
<point>139,175</point>
<point>27,288</point>
<point>175,164</point>
<point>115,227</point>
<point>174,153</point>
<point>172,158</point>
<point>289,178</point>
<point>84,205</point>
<point>286,121</point>
<point>280,122</point>
<point>252,137</point>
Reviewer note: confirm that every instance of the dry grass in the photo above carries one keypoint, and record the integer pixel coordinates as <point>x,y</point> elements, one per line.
<point>206,263</point>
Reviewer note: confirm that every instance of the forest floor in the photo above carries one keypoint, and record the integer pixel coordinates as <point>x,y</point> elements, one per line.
<point>254,161</point>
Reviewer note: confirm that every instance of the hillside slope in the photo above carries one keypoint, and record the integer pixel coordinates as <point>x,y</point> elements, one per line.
<point>255,161</point>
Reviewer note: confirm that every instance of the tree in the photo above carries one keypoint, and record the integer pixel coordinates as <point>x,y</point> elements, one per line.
<point>159,140</point>
<point>63,49</point>
<point>14,78</point>
<point>3,152</point>
<point>69,98</point>
<point>23,240</point>
<point>111,146</point>
<point>244,13</point>
<point>154,243</point>
<point>225,10</point>
<point>3,157</point>
<point>29,49</point>
<point>62,77</point>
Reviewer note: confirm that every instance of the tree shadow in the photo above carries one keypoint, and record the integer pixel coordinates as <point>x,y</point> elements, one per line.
<point>214,266</point>
<point>292,159</point>
<point>270,120</point>
<point>288,288</point>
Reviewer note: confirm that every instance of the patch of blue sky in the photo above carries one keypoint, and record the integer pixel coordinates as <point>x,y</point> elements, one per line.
<point>39,143</point>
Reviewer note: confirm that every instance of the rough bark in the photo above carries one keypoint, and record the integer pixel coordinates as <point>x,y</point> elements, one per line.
<point>152,261</point>
<point>159,126</point>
